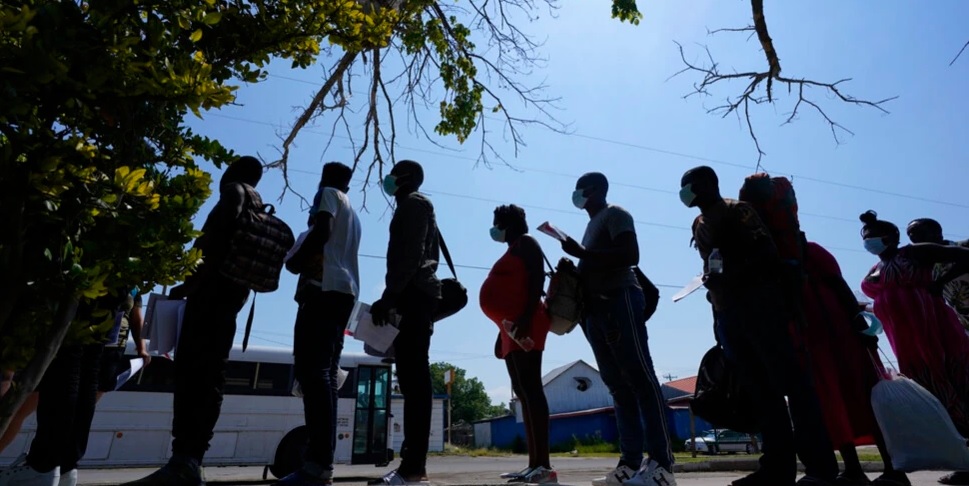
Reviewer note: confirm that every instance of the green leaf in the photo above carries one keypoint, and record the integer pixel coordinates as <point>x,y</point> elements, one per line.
<point>196,36</point>
<point>212,18</point>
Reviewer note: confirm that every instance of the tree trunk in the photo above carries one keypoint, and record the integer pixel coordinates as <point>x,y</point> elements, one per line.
<point>28,380</point>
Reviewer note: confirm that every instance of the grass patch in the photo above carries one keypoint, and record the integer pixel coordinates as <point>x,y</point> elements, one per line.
<point>453,450</point>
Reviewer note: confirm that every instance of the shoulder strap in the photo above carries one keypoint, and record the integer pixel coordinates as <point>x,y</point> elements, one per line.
<point>252,314</point>
<point>447,254</point>
<point>551,269</point>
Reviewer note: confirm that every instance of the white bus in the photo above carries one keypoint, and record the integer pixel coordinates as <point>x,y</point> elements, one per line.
<point>261,422</point>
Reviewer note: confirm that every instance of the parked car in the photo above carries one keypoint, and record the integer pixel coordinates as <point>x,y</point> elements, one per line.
<point>722,440</point>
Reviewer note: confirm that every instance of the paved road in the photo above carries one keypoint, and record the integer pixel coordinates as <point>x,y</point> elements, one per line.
<point>448,471</point>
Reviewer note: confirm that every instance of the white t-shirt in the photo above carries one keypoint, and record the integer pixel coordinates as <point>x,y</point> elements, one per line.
<point>340,270</point>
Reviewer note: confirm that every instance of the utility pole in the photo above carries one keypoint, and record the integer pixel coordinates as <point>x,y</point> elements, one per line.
<point>669,377</point>
<point>449,379</point>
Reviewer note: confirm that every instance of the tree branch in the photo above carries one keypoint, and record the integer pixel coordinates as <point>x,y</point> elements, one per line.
<point>954,59</point>
<point>760,84</point>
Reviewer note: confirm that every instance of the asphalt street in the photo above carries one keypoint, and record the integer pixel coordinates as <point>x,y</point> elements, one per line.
<point>477,471</point>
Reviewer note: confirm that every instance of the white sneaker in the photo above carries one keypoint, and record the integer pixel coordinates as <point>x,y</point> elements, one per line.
<point>69,479</point>
<point>651,474</point>
<point>24,475</point>
<point>617,477</point>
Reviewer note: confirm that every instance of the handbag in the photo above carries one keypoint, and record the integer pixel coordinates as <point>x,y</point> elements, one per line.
<point>720,398</point>
<point>650,293</point>
<point>454,296</point>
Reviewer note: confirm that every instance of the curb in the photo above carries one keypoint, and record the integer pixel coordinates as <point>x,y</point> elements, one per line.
<point>744,465</point>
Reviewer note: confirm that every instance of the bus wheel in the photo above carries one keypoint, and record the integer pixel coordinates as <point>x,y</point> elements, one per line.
<point>289,452</point>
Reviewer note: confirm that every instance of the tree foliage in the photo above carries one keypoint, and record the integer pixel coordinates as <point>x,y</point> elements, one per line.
<point>98,172</point>
<point>470,401</point>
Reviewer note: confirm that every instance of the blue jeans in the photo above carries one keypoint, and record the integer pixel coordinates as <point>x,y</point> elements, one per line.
<point>616,330</point>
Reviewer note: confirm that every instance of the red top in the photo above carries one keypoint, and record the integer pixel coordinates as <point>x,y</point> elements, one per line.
<point>504,295</point>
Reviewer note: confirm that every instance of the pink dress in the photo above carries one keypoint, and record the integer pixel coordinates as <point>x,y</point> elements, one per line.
<point>842,368</point>
<point>925,333</point>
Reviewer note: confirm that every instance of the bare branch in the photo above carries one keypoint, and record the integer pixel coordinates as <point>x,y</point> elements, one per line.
<point>954,59</point>
<point>759,87</point>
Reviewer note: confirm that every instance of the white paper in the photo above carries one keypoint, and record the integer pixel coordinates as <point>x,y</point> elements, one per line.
<point>136,365</point>
<point>299,242</point>
<point>362,328</point>
<point>552,231</point>
<point>691,287</point>
<point>166,326</point>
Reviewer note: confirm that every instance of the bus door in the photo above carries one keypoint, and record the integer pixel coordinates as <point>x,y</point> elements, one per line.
<point>371,415</point>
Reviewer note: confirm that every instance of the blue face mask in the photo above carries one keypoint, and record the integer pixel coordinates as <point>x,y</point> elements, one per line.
<point>875,246</point>
<point>687,196</point>
<point>497,234</point>
<point>579,200</point>
<point>390,184</point>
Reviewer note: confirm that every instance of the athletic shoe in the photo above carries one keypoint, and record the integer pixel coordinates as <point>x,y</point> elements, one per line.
<point>393,478</point>
<point>178,472</point>
<point>24,475</point>
<point>516,476</point>
<point>69,478</point>
<point>956,478</point>
<point>303,478</point>
<point>616,477</point>
<point>651,474</point>
<point>541,475</point>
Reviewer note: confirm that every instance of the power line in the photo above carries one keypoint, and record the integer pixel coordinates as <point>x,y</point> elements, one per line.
<point>544,171</point>
<point>562,211</point>
<point>724,163</point>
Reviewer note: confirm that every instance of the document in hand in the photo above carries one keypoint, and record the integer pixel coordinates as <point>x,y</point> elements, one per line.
<point>362,328</point>
<point>691,287</point>
<point>164,320</point>
<point>552,231</point>
<point>136,365</point>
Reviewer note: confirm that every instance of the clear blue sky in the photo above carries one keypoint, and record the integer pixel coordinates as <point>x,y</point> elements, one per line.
<point>612,80</point>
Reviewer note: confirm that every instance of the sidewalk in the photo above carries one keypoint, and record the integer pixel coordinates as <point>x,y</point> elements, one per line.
<point>473,471</point>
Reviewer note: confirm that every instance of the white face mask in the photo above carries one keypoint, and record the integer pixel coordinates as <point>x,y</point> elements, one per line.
<point>498,234</point>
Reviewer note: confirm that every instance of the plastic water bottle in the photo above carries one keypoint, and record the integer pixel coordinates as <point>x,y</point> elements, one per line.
<point>715,262</point>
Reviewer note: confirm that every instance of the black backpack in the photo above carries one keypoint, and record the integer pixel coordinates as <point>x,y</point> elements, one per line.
<point>258,246</point>
<point>720,397</point>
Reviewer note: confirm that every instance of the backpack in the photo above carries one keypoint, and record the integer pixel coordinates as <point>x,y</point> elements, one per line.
<point>563,301</point>
<point>257,251</point>
<point>720,397</point>
<point>258,246</point>
<point>775,202</point>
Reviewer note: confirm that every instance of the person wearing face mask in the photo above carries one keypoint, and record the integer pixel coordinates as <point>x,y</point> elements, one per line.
<point>414,292</point>
<point>951,280</point>
<point>742,271</point>
<point>213,302</point>
<point>931,346</point>
<point>511,296</point>
<point>615,326</point>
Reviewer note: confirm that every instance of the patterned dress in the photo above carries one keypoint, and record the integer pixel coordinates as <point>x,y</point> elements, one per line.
<point>956,292</point>
<point>925,333</point>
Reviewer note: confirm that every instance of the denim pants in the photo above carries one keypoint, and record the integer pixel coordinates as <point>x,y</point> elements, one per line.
<point>208,330</point>
<point>68,394</point>
<point>753,331</point>
<point>317,346</point>
<point>616,330</point>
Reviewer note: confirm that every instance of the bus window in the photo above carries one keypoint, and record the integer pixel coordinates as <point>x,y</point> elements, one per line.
<point>274,379</point>
<point>239,377</point>
<point>159,376</point>
<point>349,388</point>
